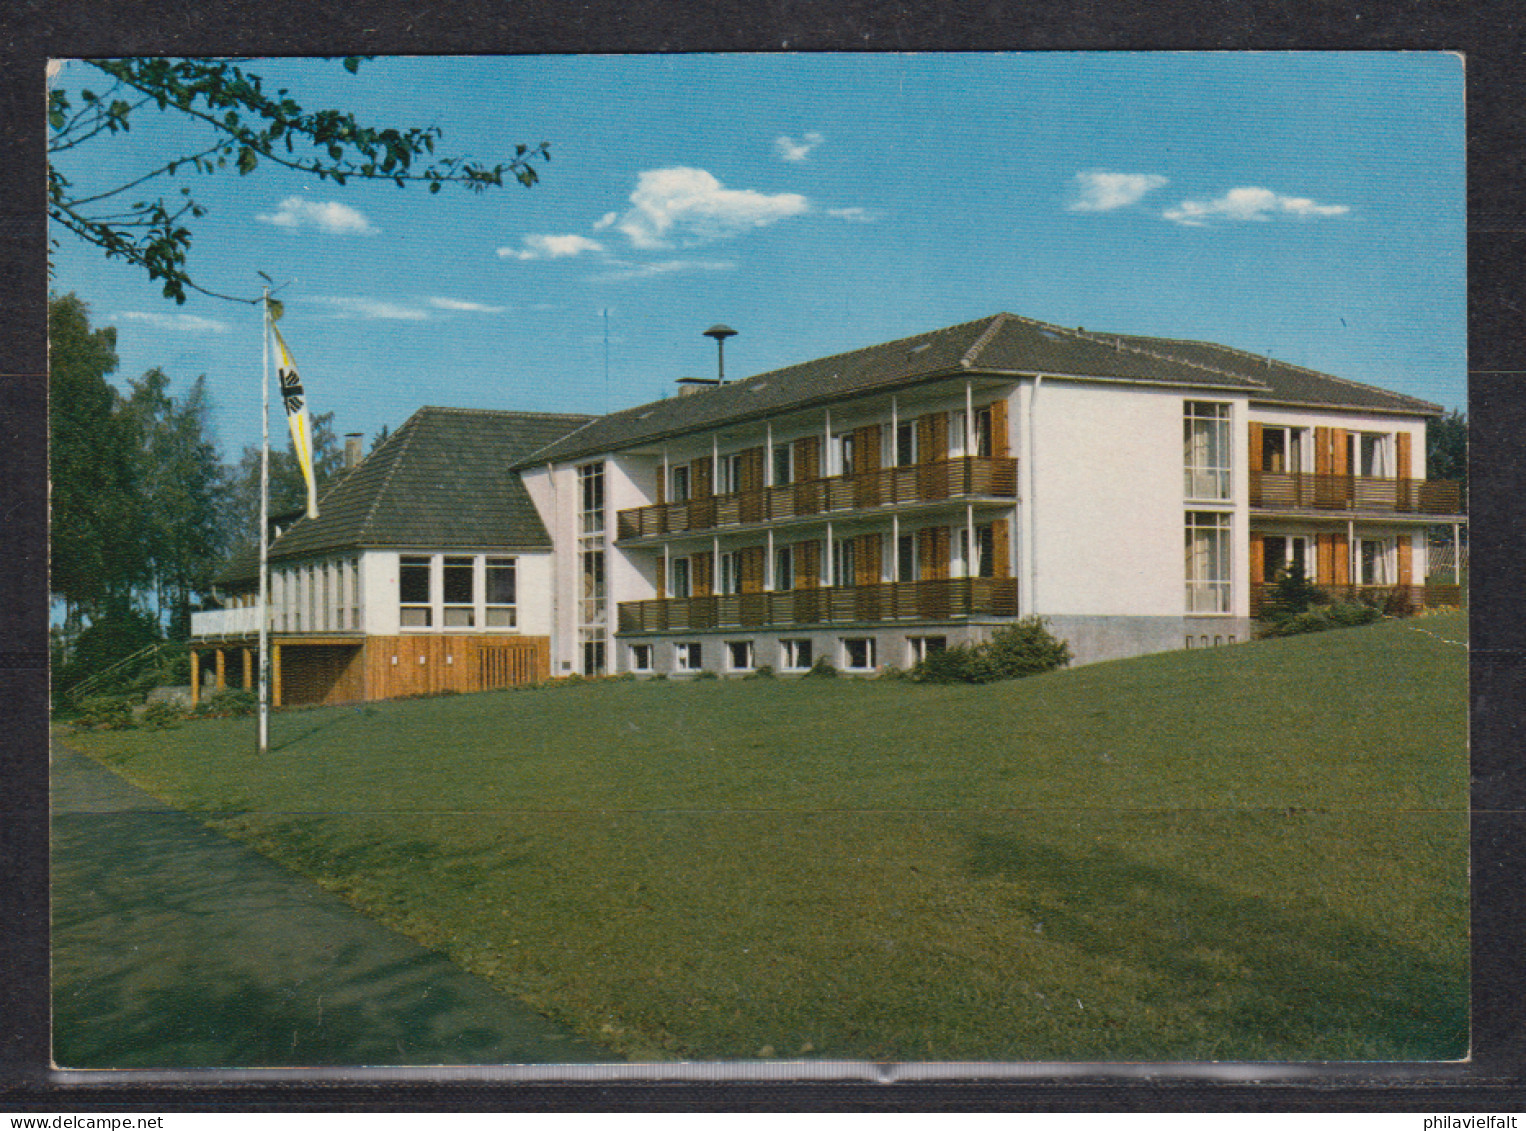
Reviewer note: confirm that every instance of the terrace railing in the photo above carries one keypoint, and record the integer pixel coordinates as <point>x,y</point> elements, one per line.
<point>888,601</point>
<point>1297,490</point>
<point>964,477</point>
<point>239,621</point>
<point>1394,600</point>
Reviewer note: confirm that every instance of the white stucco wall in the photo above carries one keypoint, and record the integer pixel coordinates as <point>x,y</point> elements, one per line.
<point>1352,422</point>
<point>379,591</point>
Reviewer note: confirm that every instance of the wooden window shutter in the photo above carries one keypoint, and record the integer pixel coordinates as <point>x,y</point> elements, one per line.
<point>662,486</point>
<point>752,469</point>
<point>1403,455</point>
<point>808,458</point>
<point>1000,447</point>
<point>866,559</point>
<point>1341,552</point>
<point>700,478</point>
<point>932,437</point>
<point>1406,560</point>
<point>1255,446</point>
<point>1001,538</point>
<point>1257,552</point>
<point>1339,463</point>
<point>752,569</point>
<point>1323,465</point>
<point>700,571</point>
<point>938,556</point>
<point>866,449</point>
<point>807,565</point>
<point>660,578</point>
<point>1324,559</point>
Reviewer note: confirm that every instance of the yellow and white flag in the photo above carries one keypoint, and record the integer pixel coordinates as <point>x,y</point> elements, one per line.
<point>296,416</point>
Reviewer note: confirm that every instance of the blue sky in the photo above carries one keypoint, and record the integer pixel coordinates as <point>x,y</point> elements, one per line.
<point>1310,206</point>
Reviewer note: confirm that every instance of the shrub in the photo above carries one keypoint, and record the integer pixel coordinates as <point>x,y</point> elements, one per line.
<point>764,671</point>
<point>108,712</point>
<point>161,714</point>
<point>227,704</point>
<point>890,671</point>
<point>705,673</point>
<point>821,669</point>
<point>1339,614</point>
<point>1025,647</point>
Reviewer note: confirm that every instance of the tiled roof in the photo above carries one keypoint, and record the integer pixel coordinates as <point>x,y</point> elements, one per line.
<point>1002,343</point>
<point>442,480</point>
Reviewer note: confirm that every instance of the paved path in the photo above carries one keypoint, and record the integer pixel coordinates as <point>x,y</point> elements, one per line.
<point>174,946</point>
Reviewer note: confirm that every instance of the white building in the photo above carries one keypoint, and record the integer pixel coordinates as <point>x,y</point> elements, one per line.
<point>1139,493</point>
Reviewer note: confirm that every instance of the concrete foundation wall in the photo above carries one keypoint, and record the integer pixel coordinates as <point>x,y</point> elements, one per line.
<point>1093,639</point>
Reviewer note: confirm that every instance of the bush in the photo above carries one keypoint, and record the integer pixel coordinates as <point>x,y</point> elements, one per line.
<point>227,704</point>
<point>1026,647</point>
<point>108,712</point>
<point>821,669</point>
<point>705,673</point>
<point>890,671</point>
<point>161,714</point>
<point>1339,614</point>
<point>764,671</point>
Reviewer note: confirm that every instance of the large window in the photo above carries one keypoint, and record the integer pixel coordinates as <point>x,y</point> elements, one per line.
<point>414,610</point>
<point>1205,441</point>
<point>591,607</point>
<point>502,594</point>
<point>1208,557</point>
<point>459,578</point>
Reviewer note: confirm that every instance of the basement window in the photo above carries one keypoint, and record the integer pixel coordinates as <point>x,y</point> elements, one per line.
<point>794,655</point>
<point>918,648</point>
<point>413,592</point>
<point>739,655</point>
<point>641,657</point>
<point>686,656</point>
<point>858,653</point>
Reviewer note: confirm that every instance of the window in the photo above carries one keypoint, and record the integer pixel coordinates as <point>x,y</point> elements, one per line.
<point>1205,442</point>
<point>907,563</point>
<point>680,581</point>
<point>784,465</point>
<point>784,568</point>
<point>905,444</point>
<point>1374,561</point>
<point>730,469</point>
<point>501,592</point>
<point>678,484</point>
<point>858,653</point>
<point>591,603</point>
<point>843,561</point>
<point>1368,454</point>
<point>591,496</point>
<point>593,655</point>
<point>842,452</point>
<point>795,655</point>
<point>1282,449</point>
<point>739,655</point>
<point>412,592</point>
<point>985,557</point>
<point>1207,562</point>
<point>957,425</point>
<point>641,657</point>
<point>1282,554</point>
<point>460,596</point>
<point>686,656</point>
<point>731,572</point>
<point>918,648</point>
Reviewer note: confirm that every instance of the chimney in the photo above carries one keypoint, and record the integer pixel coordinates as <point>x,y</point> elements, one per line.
<point>687,385</point>
<point>352,449</point>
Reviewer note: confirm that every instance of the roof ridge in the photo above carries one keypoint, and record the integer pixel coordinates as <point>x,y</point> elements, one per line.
<point>592,420</point>
<point>1101,339</point>
<point>503,412</point>
<point>406,435</point>
<point>860,349</point>
<point>998,320</point>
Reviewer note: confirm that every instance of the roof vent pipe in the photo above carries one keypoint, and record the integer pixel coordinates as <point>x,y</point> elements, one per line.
<point>720,333</point>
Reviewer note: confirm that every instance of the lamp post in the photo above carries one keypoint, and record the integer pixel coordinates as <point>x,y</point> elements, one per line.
<point>720,333</point>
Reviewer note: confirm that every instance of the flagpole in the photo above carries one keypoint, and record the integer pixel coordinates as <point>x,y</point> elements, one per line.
<point>264,729</point>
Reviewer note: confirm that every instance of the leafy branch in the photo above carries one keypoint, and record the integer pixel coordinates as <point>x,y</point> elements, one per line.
<point>247,126</point>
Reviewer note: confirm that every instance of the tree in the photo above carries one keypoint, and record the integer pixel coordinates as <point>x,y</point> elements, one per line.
<point>98,557</point>
<point>183,484</point>
<point>244,126</point>
<point>288,490</point>
<point>1446,447</point>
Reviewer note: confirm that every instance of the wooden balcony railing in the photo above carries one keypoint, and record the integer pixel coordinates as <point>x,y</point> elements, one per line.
<point>893,600</point>
<point>1394,600</point>
<point>1297,490</point>
<point>919,483</point>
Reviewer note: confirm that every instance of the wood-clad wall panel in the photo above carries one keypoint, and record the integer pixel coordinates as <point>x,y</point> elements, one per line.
<point>1255,447</point>
<point>1404,456</point>
<point>1001,540</point>
<point>1001,446</point>
<point>430,664</point>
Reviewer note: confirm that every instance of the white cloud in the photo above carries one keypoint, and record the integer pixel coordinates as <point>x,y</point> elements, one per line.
<point>689,206</point>
<point>858,215</point>
<point>347,306</point>
<point>624,272</point>
<point>327,216</point>
<point>1100,191</point>
<point>440,303</point>
<point>605,221</point>
<point>551,247</point>
<point>189,322</point>
<point>1249,203</point>
<point>789,149</point>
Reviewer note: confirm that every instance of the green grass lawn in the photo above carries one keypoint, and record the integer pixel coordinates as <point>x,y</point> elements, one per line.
<point>1248,852</point>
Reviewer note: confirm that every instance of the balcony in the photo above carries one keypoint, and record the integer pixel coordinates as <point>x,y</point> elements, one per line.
<point>1296,490</point>
<point>1393,600</point>
<point>965,477</point>
<point>226,622</point>
<point>889,601</point>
